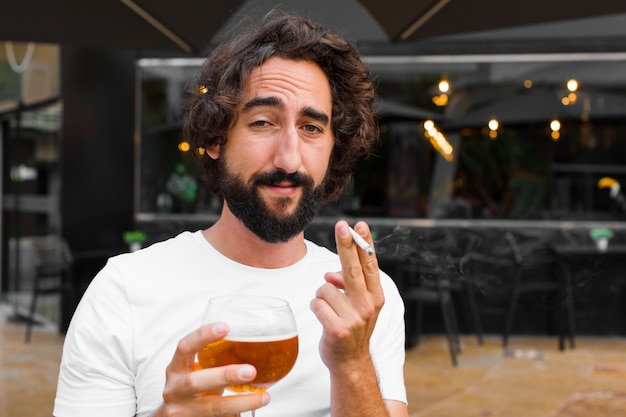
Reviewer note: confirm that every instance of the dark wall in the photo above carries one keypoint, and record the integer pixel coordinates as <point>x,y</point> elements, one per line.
<point>98,88</point>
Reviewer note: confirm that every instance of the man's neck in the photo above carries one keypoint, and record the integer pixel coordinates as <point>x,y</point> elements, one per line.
<point>235,241</point>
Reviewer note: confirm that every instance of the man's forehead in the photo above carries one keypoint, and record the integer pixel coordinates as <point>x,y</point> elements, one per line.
<point>277,68</point>
<point>279,79</point>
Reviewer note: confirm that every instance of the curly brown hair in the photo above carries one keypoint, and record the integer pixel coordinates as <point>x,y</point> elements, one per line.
<point>213,98</point>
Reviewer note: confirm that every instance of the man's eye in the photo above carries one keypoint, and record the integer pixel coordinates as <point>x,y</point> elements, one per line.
<point>312,128</point>
<point>259,123</point>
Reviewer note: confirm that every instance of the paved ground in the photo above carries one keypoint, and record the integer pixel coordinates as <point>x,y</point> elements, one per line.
<point>28,372</point>
<point>533,379</point>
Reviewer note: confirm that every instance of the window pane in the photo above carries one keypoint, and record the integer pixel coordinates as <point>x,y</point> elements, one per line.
<point>460,166</point>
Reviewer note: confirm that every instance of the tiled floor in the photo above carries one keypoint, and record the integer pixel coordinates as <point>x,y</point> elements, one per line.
<point>534,379</point>
<point>531,379</point>
<point>28,372</point>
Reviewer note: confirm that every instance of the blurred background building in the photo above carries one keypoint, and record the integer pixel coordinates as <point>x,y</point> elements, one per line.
<point>502,128</point>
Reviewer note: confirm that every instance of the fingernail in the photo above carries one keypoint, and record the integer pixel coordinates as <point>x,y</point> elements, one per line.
<point>219,328</point>
<point>265,399</point>
<point>343,231</point>
<point>246,372</point>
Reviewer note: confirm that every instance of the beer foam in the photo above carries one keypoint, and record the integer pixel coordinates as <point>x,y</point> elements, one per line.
<point>261,338</point>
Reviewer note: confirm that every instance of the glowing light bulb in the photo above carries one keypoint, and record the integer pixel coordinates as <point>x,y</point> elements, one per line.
<point>441,100</point>
<point>572,97</point>
<point>555,125</point>
<point>183,146</point>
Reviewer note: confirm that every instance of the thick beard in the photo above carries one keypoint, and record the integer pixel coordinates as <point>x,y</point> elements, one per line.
<point>247,205</point>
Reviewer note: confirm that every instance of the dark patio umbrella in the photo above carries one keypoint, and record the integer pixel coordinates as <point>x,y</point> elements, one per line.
<point>181,25</point>
<point>417,19</point>
<point>347,17</point>
<point>190,25</point>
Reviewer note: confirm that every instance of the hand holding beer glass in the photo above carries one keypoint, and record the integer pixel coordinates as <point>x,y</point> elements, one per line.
<point>262,333</point>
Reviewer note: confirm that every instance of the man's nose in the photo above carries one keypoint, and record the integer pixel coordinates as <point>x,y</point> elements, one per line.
<point>287,153</point>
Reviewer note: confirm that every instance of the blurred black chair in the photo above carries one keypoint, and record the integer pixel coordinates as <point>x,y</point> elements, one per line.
<point>432,275</point>
<point>54,264</point>
<point>533,255</point>
<point>466,285</point>
<point>518,263</point>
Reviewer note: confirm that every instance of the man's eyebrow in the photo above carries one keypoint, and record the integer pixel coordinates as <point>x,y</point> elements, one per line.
<point>317,115</point>
<point>262,101</point>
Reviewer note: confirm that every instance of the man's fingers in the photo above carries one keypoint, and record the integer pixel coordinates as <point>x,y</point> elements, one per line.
<point>360,270</point>
<point>336,279</point>
<point>350,261</point>
<point>369,263</point>
<point>203,389</point>
<point>212,380</point>
<point>227,376</point>
<point>233,405</point>
<point>189,386</point>
<point>189,345</point>
<point>205,382</point>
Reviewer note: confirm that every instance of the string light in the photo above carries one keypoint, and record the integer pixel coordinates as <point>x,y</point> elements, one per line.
<point>438,141</point>
<point>571,97</point>
<point>555,126</point>
<point>493,126</point>
<point>442,99</point>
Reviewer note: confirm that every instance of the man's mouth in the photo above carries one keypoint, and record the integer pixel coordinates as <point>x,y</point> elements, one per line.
<point>280,179</point>
<point>280,184</point>
<point>282,188</point>
<point>285,184</point>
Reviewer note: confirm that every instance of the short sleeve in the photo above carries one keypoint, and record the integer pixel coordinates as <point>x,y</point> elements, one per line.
<point>96,376</point>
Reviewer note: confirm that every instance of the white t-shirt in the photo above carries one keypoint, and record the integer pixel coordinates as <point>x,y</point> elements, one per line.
<point>130,319</point>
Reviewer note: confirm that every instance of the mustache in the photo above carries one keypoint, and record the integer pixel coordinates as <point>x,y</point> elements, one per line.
<point>277,177</point>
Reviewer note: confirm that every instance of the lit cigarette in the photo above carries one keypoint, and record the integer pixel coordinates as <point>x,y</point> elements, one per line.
<point>361,242</point>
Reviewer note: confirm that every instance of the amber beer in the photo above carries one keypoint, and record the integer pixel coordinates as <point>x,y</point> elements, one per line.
<point>272,356</point>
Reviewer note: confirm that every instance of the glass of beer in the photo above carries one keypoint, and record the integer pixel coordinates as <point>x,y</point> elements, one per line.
<point>262,333</point>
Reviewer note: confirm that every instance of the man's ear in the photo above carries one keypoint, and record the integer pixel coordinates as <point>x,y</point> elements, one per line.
<point>213,151</point>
